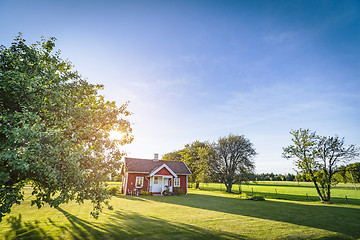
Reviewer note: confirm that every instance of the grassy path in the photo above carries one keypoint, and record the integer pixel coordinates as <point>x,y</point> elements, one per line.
<point>198,215</point>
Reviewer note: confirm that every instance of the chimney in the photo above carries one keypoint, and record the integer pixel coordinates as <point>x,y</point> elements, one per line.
<point>156,157</point>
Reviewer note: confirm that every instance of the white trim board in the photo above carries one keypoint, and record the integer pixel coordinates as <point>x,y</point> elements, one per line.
<point>161,167</point>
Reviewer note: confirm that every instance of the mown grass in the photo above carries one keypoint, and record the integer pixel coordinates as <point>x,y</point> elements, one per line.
<point>303,191</point>
<point>198,215</point>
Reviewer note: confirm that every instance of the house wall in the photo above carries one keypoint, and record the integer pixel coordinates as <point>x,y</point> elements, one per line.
<point>132,181</point>
<point>131,177</point>
<point>183,183</point>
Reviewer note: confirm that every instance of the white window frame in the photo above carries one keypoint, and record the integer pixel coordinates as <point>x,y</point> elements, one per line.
<point>176,182</point>
<point>141,179</point>
<point>156,180</point>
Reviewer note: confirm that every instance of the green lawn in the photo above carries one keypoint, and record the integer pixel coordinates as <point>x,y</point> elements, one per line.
<point>292,191</point>
<point>198,215</point>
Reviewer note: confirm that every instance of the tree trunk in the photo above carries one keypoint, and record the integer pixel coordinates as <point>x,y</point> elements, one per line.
<point>328,193</point>
<point>228,187</point>
<point>318,190</point>
<point>328,187</point>
<point>197,186</point>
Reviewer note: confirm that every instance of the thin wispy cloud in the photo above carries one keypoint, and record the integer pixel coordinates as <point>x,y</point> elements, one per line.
<point>196,71</point>
<point>281,37</point>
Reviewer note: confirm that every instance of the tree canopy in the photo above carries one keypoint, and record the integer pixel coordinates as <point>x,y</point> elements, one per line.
<point>233,158</point>
<point>54,129</point>
<point>318,158</point>
<point>196,156</point>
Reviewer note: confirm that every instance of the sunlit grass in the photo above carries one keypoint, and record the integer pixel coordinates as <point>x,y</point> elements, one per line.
<point>303,191</point>
<point>198,215</point>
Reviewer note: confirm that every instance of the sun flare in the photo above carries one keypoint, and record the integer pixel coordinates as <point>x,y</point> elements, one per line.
<point>116,135</point>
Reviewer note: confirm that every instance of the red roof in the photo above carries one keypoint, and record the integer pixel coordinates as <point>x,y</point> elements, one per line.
<point>148,165</point>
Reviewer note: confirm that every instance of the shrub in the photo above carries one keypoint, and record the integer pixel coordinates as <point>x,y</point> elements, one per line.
<point>178,191</point>
<point>255,197</point>
<point>145,193</point>
<point>113,190</point>
<point>166,192</point>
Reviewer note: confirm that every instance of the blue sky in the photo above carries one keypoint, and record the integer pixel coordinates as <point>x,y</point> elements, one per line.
<point>200,70</point>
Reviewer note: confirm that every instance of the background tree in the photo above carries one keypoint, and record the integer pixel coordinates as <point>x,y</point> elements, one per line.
<point>349,173</point>
<point>289,177</point>
<point>319,158</point>
<point>54,129</point>
<point>354,172</point>
<point>244,176</point>
<point>232,156</point>
<point>173,156</point>
<point>196,156</point>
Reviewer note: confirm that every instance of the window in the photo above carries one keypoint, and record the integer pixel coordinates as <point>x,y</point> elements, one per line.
<point>139,182</point>
<point>156,180</point>
<point>176,182</point>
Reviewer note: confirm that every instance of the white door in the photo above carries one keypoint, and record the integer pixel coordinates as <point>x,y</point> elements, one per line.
<point>157,184</point>
<point>167,184</point>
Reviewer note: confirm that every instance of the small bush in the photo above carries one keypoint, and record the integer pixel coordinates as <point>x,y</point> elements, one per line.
<point>167,192</point>
<point>113,190</point>
<point>145,193</point>
<point>178,191</point>
<point>255,197</point>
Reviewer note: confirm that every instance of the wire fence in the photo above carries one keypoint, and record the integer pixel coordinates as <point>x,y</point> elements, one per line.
<point>294,191</point>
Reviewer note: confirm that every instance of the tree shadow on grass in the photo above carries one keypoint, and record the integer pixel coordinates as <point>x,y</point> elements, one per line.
<point>135,198</point>
<point>25,230</point>
<point>119,225</point>
<point>343,220</point>
<point>125,225</point>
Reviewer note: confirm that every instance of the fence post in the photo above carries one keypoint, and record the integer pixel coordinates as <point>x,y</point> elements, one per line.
<point>307,198</point>
<point>276,193</point>
<point>347,201</point>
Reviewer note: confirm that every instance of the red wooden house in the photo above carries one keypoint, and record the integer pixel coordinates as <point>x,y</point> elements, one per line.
<point>153,175</point>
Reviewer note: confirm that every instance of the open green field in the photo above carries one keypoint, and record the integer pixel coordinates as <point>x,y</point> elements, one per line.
<point>198,215</point>
<point>302,191</point>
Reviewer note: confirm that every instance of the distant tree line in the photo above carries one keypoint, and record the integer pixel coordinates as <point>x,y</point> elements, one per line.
<point>343,174</point>
<point>273,177</point>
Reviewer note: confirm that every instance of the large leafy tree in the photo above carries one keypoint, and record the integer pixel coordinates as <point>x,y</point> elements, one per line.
<point>233,158</point>
<point>54,129</point>
<point>318,158</point>
<point>196,156</point>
